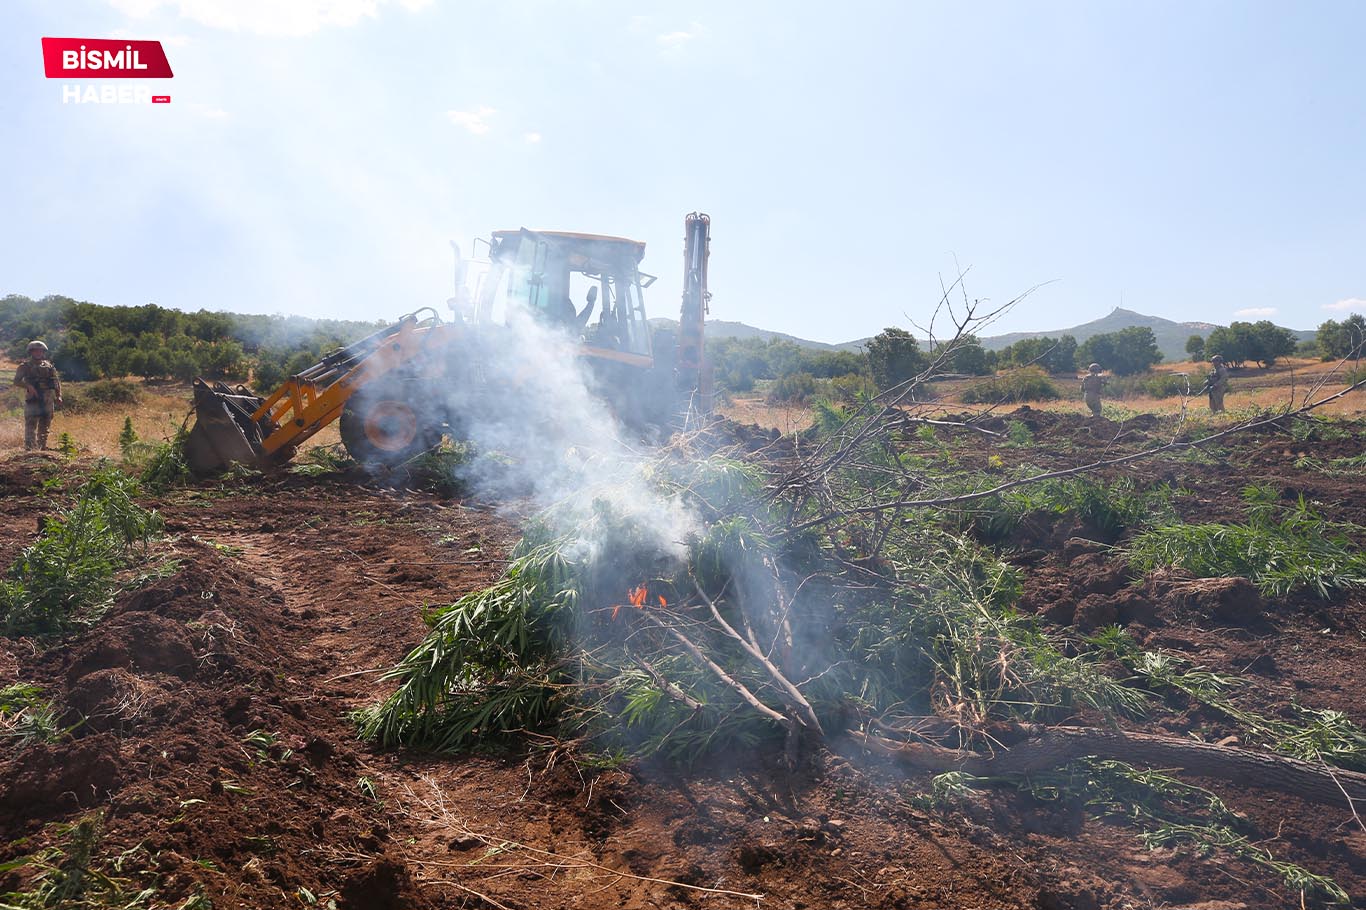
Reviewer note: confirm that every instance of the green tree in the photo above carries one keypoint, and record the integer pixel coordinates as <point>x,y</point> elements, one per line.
<point>1337,340</point>
<point>1195,346</point>
<point>1056,355</point>
<point>184,365</point>
<point>894,356</point>
<point>1263,342</point>
<point>968,356</point>
<point>102,353</point>
<point>1128,351</point>
<point>1270,342</point>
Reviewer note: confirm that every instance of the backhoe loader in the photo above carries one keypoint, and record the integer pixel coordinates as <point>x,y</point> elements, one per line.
<point>394,392</point>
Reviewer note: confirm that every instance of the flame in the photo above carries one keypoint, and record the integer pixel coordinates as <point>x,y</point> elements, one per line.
<point>662,601</point>
<point>636,598</point>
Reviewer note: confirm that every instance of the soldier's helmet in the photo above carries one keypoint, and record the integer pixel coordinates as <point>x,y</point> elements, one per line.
<point>36,345</point>
<point>1094,368</point>
<point>1217,358</point>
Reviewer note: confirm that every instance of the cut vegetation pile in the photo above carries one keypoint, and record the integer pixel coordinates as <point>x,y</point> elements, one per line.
<point>846,596</point>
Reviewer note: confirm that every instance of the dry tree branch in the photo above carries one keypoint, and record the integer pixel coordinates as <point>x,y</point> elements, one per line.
<point>670,688</point>
<point>1175,445</point>
<point>890,400</point>
<point>1052,746</point>
<point>740,688</point>
<point>789,693</point>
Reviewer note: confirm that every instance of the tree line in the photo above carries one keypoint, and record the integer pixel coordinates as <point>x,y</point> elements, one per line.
<point>91,341</point>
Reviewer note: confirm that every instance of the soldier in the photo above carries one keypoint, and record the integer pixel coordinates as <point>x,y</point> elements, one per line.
<point>1090,388</point>
<point>1217,384</point>
<point>42,394</point>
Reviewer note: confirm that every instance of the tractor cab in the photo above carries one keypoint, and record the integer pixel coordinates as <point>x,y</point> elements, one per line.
<point>586,285</point>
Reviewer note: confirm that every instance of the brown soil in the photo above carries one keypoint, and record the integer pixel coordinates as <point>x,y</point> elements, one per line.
<point>291,594</point>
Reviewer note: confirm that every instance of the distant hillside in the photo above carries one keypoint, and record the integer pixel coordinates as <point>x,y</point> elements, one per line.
<point>1171,336</point>
<point>720,328</point>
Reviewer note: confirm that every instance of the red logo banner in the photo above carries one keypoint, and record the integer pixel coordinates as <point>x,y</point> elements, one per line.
<point>100,58</point>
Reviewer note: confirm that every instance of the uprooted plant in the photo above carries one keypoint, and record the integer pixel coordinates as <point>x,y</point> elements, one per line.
<point>1168,812</point>
<point>66,577</point>
<point>1279,548</point>
<point>75,872</point>
<point>1315,735</point>
<point>27,716</point>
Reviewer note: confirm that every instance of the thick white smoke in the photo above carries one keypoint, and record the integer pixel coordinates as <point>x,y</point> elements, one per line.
<point>544,427</point>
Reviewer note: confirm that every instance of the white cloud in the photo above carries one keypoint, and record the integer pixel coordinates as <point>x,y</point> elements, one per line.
<point>1350,303</point>
<point>532,137</point>
<point>676,39</point>
<point>476,121</point>
<point>1261,312</point>
<point>267,17</point>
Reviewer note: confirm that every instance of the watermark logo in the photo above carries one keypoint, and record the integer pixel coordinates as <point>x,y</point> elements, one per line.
<point>100,58</point>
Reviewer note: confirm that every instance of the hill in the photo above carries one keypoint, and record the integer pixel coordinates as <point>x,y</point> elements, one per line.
<point>720,328</point>
<point>1171,336</point>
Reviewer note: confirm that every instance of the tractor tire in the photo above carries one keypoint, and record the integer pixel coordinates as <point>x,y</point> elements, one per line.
<point>385,430</point>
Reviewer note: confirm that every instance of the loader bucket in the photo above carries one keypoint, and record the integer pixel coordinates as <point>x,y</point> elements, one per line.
<point>224,432</point>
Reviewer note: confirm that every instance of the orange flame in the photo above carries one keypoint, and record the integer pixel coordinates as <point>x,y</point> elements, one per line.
<point>636,598</point>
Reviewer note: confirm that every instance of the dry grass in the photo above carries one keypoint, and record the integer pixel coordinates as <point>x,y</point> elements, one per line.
<point>1251,388</point>
<point>95,431</point>
<point>786,418</point>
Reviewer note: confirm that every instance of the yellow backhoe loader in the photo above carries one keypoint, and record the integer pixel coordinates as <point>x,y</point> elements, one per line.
<point>392,391</point>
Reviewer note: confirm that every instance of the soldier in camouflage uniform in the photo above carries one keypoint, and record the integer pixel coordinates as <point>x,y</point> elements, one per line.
<point>1217,384</point>
<point>42,394</point>
<point>1091,385</point>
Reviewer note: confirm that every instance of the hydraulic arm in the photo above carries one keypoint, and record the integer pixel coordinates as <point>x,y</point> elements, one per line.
<point>233,425</point>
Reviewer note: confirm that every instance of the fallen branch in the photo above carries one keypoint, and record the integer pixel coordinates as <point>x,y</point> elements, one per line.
<point>1054,746</point>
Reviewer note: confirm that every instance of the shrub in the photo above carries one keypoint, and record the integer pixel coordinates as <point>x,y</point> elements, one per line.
<point>738,380</point>
<point>1152,385</point>
<point>26,716</point>
<point>1108,507</point>
<point>1019,434</point>
<point>1030,384</point>
<point>1167,385</point>
<point>794,388</point>
<point>113,391</point>
<point>852,387</point>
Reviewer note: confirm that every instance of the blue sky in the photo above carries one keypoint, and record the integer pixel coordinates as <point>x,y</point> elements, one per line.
<point>1199,161</point>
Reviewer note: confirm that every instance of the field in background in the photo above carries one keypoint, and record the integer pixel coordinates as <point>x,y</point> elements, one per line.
<point>160,410</point>
<point>162,407</point>
<point>1251,389</point>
